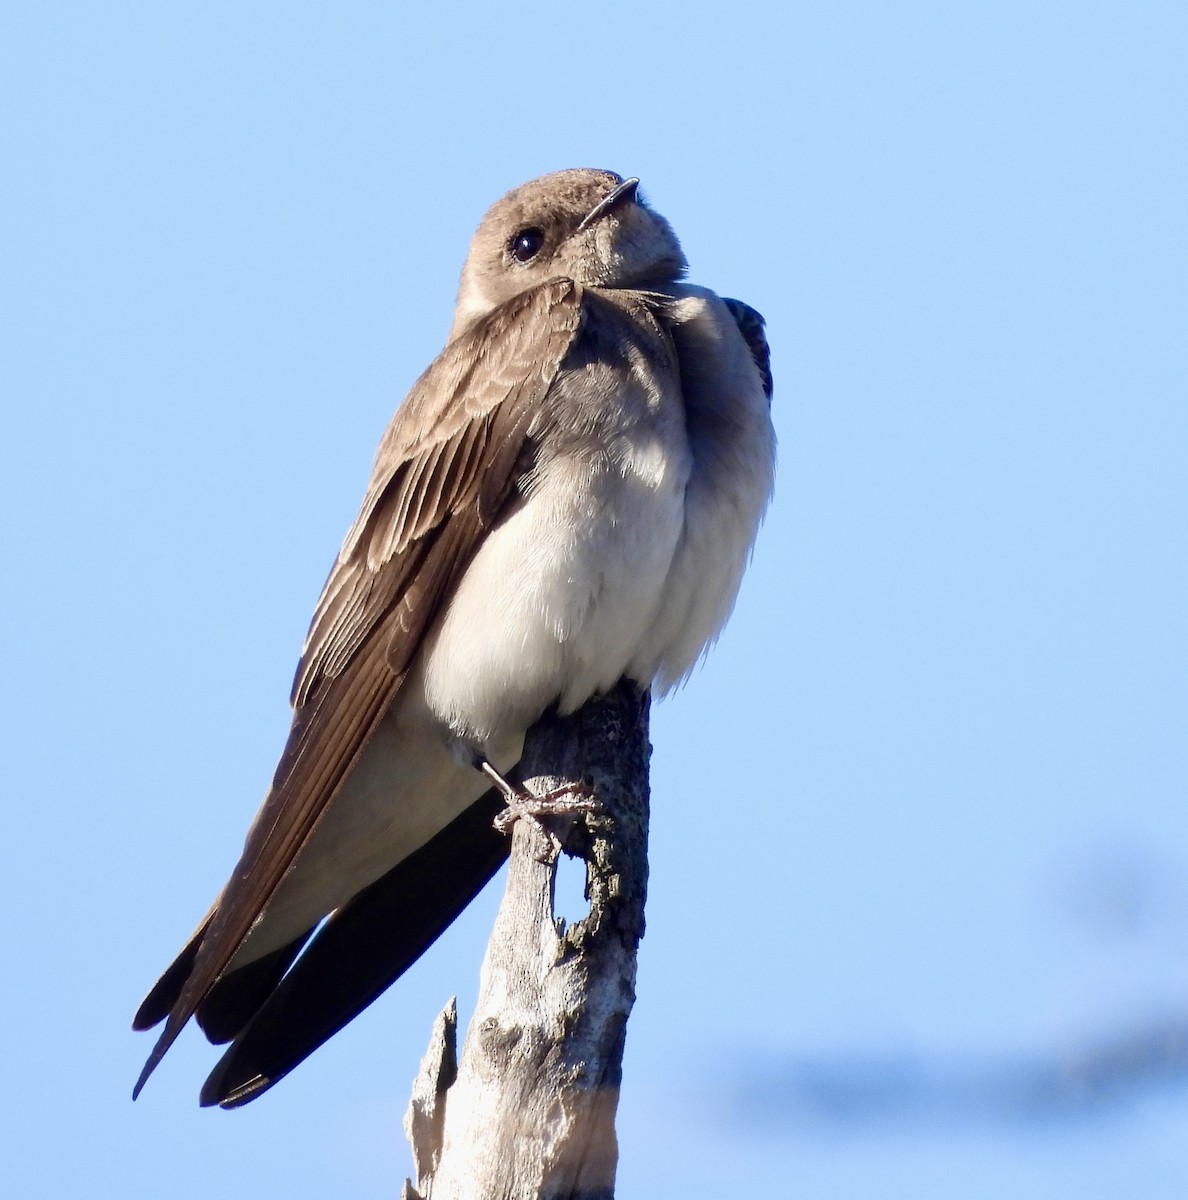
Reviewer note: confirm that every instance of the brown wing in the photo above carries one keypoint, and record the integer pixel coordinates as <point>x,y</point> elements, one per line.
<point>444,469</point>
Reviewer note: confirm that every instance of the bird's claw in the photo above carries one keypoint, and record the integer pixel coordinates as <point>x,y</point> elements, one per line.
<point>571,799</point>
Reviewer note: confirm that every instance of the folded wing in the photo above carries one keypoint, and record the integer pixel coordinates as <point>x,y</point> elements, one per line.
<point>445,468</point>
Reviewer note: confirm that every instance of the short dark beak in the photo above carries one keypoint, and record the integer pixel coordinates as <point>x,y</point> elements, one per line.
<point>623,194</point>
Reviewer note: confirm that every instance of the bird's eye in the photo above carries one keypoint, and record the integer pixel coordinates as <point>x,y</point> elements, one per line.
<point>526,244</point>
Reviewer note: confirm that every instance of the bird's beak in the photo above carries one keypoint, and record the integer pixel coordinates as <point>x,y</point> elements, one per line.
<point>624,193</point>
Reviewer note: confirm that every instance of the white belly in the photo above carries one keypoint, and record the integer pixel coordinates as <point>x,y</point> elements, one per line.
<point>559,598</point>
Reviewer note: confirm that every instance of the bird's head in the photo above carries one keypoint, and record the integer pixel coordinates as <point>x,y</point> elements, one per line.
<point>586,225</point>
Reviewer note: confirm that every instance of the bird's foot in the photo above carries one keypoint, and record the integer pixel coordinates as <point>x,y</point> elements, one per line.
<point>569,800</point>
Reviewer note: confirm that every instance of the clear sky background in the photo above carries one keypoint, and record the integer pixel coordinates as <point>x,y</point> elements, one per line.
<point>918,924</point>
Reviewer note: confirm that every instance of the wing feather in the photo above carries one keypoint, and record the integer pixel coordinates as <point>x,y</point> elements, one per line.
<point>444,470</point>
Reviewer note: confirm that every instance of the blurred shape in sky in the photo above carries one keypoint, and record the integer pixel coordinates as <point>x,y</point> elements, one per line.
<point>940,1095</point>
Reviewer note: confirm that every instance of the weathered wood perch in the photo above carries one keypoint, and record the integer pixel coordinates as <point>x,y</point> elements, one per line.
<point>528,1112</point>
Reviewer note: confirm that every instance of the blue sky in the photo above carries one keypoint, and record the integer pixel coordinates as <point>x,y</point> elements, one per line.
<point>920,847</point>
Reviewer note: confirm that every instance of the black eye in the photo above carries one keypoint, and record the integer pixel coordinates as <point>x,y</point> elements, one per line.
<point>526,244</point>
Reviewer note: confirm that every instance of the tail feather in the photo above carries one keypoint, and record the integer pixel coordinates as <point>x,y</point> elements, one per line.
<point>237,996</point>
<point>158,1004</point>
<point>359,952</point>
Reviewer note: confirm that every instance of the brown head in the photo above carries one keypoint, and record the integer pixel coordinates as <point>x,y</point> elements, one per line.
<point>586,225</point>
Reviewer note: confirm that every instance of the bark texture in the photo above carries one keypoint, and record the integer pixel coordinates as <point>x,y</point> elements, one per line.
<point>528,1110</point>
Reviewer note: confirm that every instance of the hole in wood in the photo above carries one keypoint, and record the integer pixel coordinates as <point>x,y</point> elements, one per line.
<point>569,890</point>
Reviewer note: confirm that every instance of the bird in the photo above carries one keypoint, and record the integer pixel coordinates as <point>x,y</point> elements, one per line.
<point>568,496</point>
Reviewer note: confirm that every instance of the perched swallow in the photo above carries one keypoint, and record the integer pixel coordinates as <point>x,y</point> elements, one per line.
<point>568,495</point>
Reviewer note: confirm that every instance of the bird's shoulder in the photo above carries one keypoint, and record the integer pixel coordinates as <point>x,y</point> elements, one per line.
<point>753,328</point>
<point>501,357</point>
